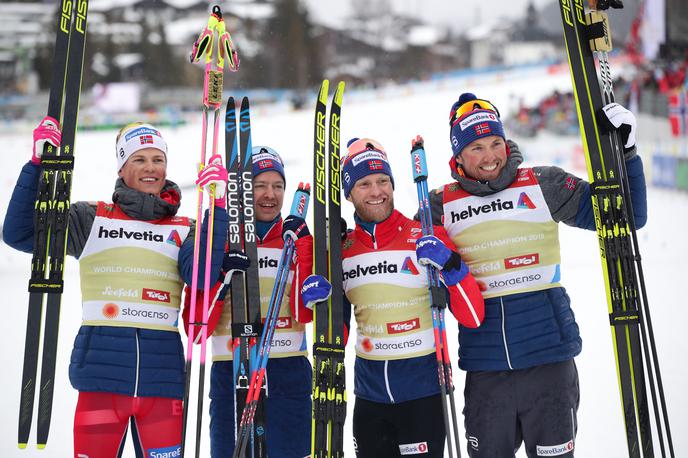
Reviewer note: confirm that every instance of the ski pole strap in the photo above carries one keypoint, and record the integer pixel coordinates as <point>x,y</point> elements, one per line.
<point>437,296</point>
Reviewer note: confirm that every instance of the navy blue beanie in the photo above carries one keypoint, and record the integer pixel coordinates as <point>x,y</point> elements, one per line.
<point>476,123</point>
<point>266,159</point>
<point>365,157</point>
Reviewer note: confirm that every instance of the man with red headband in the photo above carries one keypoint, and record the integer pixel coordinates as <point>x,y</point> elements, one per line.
<point>398,407</point>
<point>522,383</point>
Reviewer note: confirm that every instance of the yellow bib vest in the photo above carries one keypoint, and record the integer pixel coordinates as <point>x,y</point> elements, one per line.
<point>290,335</point>
<point>508,239</point>
<point>388,290</point>
<point>129,271</point>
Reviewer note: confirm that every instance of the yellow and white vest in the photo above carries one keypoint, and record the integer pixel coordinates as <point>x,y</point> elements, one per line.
<point>508,239</point>
<point>129,271</point>
<point>290,335</point>
<point>388,290</point>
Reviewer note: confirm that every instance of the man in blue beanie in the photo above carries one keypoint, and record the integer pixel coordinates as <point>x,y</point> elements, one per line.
<point>521,382</point>
<point>398,407</point>
<point>288,380</point>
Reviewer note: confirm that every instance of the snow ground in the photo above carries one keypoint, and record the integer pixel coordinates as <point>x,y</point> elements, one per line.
<point>391,115</point>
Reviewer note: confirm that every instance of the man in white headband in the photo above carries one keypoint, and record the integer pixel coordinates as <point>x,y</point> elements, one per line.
<point>134,255</point>
<point>135,137</point>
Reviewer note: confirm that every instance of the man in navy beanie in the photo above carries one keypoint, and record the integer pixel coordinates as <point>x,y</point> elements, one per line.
<point>288,380</point>
<point>398,408</point>
<point>521,382</point>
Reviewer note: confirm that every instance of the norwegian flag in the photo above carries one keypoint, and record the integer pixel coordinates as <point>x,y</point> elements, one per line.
<point>265,164</point>
<point>375,164</point>
<point>482,128</point>
<point>678,113</point>
<point>146,139</point>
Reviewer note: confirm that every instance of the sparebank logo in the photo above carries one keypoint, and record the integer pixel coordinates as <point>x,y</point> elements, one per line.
<point>555,450</point>
<point>174,238</point>
<point>403,326</point>
<point>111,311</point>
<point>525,202</point>
<point>408,267</point>
<point>166,452</point>
<point>419,448</point>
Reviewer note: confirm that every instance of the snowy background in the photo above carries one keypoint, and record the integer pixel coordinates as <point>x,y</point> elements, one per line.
<point>393,116</point>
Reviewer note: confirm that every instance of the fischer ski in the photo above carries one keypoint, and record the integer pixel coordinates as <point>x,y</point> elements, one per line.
<point>51,218</point>
<point>626,295</point>
<point>212,100</point>
<point>437,299</point>
<point>329,380</point>
<point>299,208</point>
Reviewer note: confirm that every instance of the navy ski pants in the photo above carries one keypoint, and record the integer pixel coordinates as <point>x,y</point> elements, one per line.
<point>287,408</point>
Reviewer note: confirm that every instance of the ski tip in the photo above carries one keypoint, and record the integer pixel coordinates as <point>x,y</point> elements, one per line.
<point>339,95</point>
<point>324,88</point>
<point>40,446</point>
<point>21,445</point>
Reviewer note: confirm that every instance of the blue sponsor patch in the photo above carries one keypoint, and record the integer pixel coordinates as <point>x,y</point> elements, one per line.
<point>167,452</point>
<point>141,131</point>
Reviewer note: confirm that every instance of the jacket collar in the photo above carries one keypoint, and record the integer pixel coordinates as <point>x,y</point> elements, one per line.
<point>272,229</point>
<point>147,207</point>
<point>383,232</point>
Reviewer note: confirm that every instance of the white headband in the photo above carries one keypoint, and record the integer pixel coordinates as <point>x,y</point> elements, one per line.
<point>137,138</point>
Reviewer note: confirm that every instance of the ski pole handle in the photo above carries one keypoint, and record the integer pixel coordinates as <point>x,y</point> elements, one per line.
<point>420,168</point>
<point>299,206</point>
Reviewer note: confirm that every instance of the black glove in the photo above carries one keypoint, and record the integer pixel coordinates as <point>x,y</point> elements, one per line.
<point>343,228</point>
<point>235,260</point>
<point>294,227</point>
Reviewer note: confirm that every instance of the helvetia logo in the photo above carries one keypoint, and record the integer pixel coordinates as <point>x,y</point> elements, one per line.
<point>408,267</point>
<point>376,269</point>
<point>147,236</point>
<point>525,202</point>
<point>266,261</point>
<point>471,211</point>
<point>174,238</point>
<point>110,311</point>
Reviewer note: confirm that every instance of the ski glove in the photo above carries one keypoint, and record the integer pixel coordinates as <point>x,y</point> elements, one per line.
<point>294,227</point>
<point>48,130</point>
<point>234,261</point>
<point>615,117</point>
<point>432,251</point>
<point>214,173</point>
<point>315,289</point>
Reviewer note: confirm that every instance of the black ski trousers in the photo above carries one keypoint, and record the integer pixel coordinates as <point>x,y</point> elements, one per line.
<point>405,429</point>
<point>536,406</point>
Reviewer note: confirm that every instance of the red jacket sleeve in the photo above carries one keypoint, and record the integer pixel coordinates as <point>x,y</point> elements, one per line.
<point>214,310</point>
<point>465,299</point>
<point>303,267</point>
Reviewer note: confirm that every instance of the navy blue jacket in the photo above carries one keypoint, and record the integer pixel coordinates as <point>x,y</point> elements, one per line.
<point>529,329</point>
